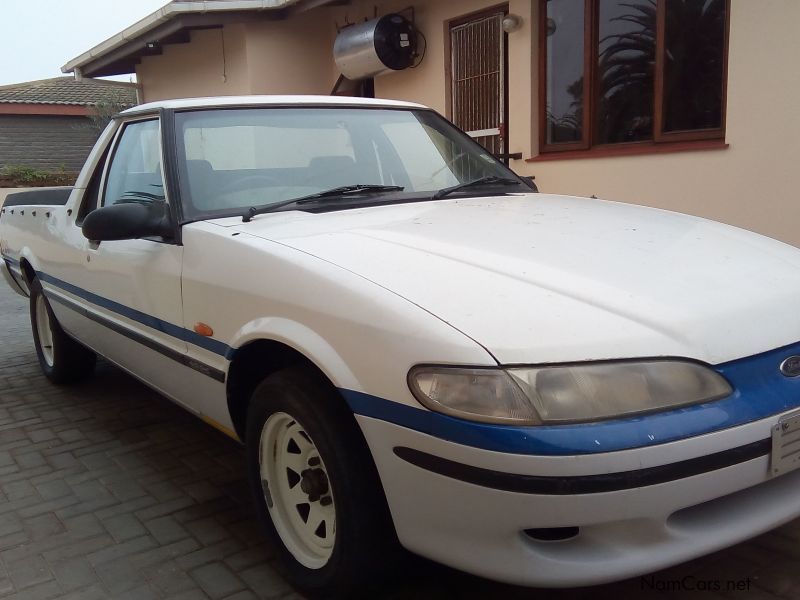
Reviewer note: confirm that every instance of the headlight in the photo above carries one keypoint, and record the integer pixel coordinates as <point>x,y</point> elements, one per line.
<point>488,395</point>
<point>565,393</point>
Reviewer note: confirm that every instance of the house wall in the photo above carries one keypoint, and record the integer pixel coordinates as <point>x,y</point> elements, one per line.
<point>212,63</point>
<point>748,184</point>
<point>45,142</point>
<point>291,57</point>
<point>260,57</point>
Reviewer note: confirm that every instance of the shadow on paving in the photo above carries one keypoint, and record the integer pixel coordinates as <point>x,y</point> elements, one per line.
<point>108,490</point>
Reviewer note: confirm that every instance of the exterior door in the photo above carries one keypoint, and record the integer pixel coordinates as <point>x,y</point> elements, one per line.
<point>129,291</point>
<point>479,79</point>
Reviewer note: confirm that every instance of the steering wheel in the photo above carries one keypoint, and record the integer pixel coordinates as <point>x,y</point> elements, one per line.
<point>249,182</point>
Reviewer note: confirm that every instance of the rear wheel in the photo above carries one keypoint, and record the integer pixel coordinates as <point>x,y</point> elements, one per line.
<point>316,489</point>
<point>62,359</point>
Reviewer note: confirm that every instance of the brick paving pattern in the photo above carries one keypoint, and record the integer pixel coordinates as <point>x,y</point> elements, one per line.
<point>107,490</point>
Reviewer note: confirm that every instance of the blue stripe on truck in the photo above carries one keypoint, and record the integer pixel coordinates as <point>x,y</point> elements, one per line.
<point>760,391</point>
<point>186,335</point>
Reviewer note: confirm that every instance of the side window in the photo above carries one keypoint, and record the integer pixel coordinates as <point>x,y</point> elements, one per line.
<point>135,172</point>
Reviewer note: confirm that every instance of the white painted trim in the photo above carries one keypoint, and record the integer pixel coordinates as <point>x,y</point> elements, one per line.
<point>483,132</point>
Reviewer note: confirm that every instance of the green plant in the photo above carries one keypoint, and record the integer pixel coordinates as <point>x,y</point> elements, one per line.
<point>24,174</point>
<point>104,110</point>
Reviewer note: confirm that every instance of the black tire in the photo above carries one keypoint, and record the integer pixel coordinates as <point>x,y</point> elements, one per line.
<point>71,361</point>
<point>365,548</point>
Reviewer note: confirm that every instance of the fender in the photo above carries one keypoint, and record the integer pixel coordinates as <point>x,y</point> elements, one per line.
<point>26,255</point>
<point>302,339</point>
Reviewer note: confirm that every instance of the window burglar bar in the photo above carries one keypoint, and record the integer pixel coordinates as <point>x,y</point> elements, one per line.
<point>477,80</point>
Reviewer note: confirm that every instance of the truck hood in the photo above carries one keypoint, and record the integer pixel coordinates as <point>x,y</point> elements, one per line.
<point>539,278</point>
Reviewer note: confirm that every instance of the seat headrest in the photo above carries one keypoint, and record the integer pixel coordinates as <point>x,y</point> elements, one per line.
<point>199,166</point>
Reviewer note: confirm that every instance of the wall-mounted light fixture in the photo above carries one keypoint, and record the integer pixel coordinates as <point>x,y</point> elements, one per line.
<point>511,23</point>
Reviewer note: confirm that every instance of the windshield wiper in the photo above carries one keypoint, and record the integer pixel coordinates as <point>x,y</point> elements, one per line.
<point>490,180</point>
<point>344,190</point>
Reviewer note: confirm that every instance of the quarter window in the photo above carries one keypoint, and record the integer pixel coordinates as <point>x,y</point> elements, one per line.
<point>632,71</point>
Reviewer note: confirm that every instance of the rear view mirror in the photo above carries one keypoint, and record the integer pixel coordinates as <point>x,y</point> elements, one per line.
<point>128,221</point>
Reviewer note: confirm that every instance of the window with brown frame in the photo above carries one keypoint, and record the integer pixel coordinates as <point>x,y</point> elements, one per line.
<point>631,72</point>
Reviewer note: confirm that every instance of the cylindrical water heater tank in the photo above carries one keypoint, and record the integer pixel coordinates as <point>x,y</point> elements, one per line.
<point>375,47</point>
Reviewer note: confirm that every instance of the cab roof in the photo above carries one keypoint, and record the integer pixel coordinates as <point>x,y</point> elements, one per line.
<point>229,101</point>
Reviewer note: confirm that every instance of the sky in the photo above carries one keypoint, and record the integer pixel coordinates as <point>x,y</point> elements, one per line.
<point>38,36</point>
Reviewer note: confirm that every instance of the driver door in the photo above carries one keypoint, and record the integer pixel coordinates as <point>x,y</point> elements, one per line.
<point>131,289</point>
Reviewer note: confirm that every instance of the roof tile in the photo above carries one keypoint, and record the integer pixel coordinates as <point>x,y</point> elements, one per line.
<point>68,90</point>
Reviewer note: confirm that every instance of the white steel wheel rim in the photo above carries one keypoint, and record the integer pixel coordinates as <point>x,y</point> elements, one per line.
<point>297,491</point>
<point>44,331</point>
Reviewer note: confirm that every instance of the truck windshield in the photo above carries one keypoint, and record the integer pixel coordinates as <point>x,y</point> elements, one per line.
<point>232,159</point>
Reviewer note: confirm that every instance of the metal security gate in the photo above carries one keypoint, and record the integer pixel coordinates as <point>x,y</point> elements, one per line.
<point>478,79</point>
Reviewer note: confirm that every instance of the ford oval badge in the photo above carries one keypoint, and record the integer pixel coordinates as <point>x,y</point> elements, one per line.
<point>791,366</point>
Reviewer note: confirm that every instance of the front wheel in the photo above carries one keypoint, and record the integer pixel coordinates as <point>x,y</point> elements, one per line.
<point>316,489</point>
<point>62,359</point>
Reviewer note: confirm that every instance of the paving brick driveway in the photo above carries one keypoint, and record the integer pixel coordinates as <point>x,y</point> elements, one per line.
<point>107,490</point>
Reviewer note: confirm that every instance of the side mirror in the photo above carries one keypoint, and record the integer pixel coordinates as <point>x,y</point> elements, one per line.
<point>128,221</point>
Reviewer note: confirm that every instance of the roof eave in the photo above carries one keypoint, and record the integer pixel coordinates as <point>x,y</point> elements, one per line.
<point>135,32</point>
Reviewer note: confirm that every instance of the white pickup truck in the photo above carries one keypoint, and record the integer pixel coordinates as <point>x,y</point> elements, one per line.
<point>415,348</point>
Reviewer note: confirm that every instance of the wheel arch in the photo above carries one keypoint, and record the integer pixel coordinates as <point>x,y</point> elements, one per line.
<point>252,363</point>
<point>27,270</point>
<point>265,345</point>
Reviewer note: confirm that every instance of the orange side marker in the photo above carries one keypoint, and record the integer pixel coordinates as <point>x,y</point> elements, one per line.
<point>203,329</point>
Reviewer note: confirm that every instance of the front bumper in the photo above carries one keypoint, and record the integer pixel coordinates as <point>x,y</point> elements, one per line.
<point>625,529</point>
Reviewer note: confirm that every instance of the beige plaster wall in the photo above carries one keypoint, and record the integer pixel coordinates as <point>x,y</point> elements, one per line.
<point>292,56</point>
<point>259,57</point>
<point>198,68</point>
